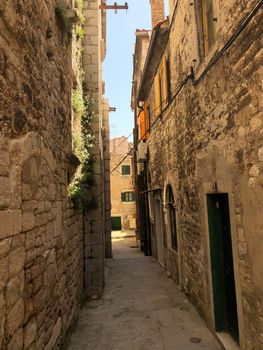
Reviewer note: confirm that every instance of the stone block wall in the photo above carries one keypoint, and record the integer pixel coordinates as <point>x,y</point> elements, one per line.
<point>106,173</point>
<point>41,236</point>
<point>212,132</point>
<point>94,251</point>
<point>157,7</point>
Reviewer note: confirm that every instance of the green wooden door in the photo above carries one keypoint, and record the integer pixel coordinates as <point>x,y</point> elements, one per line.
<point>116,223</point>
<point>223,278</point>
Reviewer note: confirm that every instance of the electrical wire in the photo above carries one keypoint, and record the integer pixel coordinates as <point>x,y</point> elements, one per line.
<point>170,98</point>
<point>214,60</point>
<point>126,177</point>
<point>233,38</point>
<point>160,105</point>
<point>126,138</point>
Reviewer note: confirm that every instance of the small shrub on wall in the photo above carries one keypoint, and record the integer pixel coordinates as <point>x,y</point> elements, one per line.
<point>80,189</point>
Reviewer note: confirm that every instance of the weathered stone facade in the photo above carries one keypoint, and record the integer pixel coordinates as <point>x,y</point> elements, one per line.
<point>97,220</point>
<point>157,11</point>
<point>41,235</point>
<point>208,139</point>
<point>120,183</point>
<point>41,254</point>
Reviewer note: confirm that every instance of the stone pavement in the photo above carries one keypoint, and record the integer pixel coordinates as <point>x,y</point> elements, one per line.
<point>141,310</point>
<point>122,234</point>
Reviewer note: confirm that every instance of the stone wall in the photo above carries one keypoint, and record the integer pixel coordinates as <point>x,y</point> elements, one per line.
<point>106,172</point>
<point>212,132</point>
<point>41,236</point>
<point>94,222</point>
<point>157,7</point>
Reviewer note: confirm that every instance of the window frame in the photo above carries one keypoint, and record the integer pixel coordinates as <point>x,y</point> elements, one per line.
<point>157,94</point>
<point>162,87</point>
<point>206,37</point>
<point>125,166</point>
<point>128,196</point>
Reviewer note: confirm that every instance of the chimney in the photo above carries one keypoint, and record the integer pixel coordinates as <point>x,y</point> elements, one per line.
<point>157,8</point>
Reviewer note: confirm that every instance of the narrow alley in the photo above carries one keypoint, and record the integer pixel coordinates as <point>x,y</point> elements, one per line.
<point>141,309</point>
<point>131,175</point>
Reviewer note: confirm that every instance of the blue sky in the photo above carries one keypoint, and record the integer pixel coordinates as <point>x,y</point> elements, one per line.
<point>117,68</point>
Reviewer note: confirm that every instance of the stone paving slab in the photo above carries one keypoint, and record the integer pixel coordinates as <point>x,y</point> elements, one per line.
<point>123,234</point>
<point>141,310</point>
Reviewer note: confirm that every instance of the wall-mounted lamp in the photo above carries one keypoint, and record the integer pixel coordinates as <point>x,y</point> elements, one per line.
<point>112,109</point>
<point>140,104</point>
<point>215,187</point>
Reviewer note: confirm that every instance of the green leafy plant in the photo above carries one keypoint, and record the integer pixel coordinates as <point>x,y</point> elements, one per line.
<point>64,15</point>
<point>78,102</point>
<point>80,32</point>
<point>79,5</point>
<point>80,190</point>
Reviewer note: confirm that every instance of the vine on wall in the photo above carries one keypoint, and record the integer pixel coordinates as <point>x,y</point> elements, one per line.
<point>80,189</point>
<point>71,19</point>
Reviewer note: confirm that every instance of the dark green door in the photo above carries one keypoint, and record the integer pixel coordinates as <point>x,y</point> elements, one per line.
<point>222,264</point>
<point>116,223</point>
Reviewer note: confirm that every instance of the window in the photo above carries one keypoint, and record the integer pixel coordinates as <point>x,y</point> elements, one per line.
<point>125,169</point>
<point>161,86</point>
<point>165,82</point>
<point>147,119</point>
<point>144,122</point>
<point>128,196</point>
<point>158,95</point>
<point>206,17</point>
<point>172,217</point>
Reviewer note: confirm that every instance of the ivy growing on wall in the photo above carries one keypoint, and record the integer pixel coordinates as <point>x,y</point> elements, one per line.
<point>78,104</point>
<point>68,17</point>
<point>79,27</point>
<point>80,189</point>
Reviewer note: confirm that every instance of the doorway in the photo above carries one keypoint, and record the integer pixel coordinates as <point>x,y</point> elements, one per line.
<point>159,230</point>
<point>116,223</point>
<point>223,278</point>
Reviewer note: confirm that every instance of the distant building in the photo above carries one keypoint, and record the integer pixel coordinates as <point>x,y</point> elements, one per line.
<point>123,208</point>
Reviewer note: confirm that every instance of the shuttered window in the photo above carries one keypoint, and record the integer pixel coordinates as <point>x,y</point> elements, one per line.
<point>208,24</point>
<point>144,122</point>
<point>147,119</point>
<point>161,87</point>
<point>165,92</point>
<point>142,125</point>
<point>128,196</point>
<point>158,98</point>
